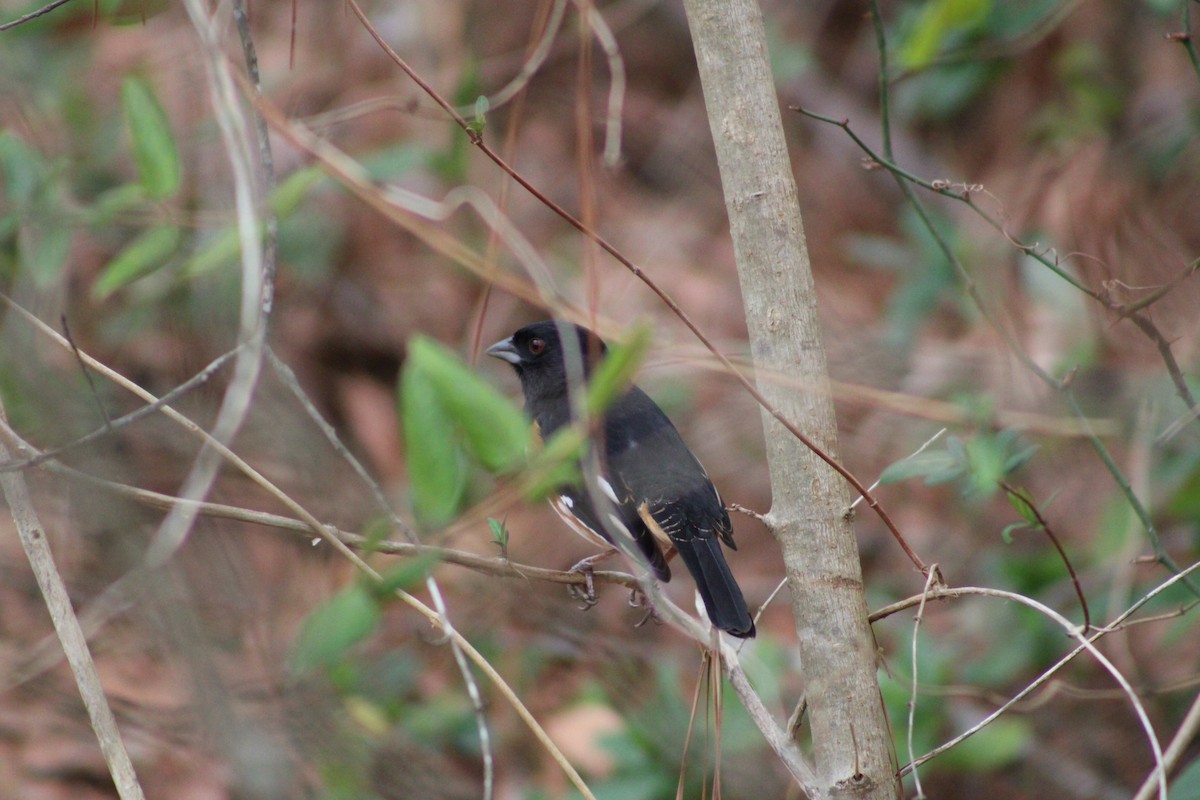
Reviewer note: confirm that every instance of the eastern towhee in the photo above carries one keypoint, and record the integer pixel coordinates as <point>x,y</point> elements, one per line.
<point>651,484</point>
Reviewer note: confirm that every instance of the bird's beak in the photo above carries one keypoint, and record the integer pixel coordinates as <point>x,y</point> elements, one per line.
<point>505,351</point>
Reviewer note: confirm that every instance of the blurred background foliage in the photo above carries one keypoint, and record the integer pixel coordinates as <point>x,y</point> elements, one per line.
<point>255,666</point>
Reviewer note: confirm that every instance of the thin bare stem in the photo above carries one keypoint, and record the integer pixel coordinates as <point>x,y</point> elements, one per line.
<point>1179,744</point>
<point>912,695</point>
<point>46,9</point>
<point>1045,528</point>
<point>66,625</point>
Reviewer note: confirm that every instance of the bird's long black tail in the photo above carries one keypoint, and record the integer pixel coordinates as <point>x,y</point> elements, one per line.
<point>721,595</point>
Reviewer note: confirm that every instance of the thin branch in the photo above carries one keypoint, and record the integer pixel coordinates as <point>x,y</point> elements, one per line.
<point>963,192</point>
<point>1184,37</point>
<point>255,295</point>
<point>912,695</point>
<point>1179,744</point>
<point>1160,552</point>
<point>1084,644</point>
<point>1045,528</point>
<point>1046,675</point>
<point>125,420</point>
<point>46,9</point>
<point>66,625</point>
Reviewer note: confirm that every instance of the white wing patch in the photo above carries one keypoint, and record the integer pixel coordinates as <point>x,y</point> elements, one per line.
<point>608,490</point>
<point>563,505</point>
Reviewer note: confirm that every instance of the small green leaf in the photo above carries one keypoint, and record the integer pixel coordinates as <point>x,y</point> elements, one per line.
<point>494,430</point>
<point>1019,458</point>
<point>436,470</point>
<point>477,125</point>
<point>154,147</point>
<point>143,255</point>
<point>25,171</point>
<point>922,465</point>
<point>115,201</point>
<point>293,189</point>
<point>617,370</point>
<point>998,744</point>
<point>499,533</point>
<point>556,464</point>
<point>334,627</point>
<point>1007,533</point>
<point>1022,501</point>
<point>410,572</point>
<point>44,245</point>
<point>217,250</point>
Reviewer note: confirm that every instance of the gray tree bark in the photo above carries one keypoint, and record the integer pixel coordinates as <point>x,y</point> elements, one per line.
<point>851,741</point>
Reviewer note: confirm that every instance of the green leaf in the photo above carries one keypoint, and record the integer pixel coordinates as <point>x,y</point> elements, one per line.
<point>334,627</point>
<point>940,20</point>
<point>499,532</point>
<point>218,250</point>
<point>44,245</point>
<point>410,572</point>
<point>24,169</point>
<point>145,254</point>
<point>288,195</point>
<point>115,201</point>
<point>477,125</point>
<point>998,744</point>
<point>1022,501</point>
<point>494,430</point>
<point>1019,458</point>
<point>436,469</point>
<point>1007,533</point>
<point>154,147</point>
<point>556,464</point>
<point>617,370</point>
<point>922,465</point>
<point>223,247</point>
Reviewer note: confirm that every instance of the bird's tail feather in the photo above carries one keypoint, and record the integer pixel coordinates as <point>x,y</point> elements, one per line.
<point>721,595</point>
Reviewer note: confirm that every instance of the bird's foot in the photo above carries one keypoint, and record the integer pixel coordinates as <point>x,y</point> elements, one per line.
<point>586,594</point>
<point>639,599</point>
<point>586,567</point>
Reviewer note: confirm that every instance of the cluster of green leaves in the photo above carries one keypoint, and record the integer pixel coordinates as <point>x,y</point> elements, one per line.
<point>978,463</point>
<point>938,45</point>
<point>47,204</point>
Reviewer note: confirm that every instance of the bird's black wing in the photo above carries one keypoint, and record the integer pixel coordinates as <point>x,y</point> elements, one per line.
<point>574,504</point>
<point>676,501</point>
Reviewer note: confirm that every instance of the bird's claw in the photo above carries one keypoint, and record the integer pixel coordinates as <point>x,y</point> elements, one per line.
<point>639,599</point>
<point>587,593</point>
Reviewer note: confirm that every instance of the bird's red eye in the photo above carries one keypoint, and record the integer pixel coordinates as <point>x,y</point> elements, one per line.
<point>537,346</point>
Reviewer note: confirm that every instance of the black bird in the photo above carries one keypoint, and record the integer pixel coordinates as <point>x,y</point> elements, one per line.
<point>661,494</point>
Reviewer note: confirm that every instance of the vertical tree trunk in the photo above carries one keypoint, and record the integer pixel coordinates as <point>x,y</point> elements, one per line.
<point>850,735</point>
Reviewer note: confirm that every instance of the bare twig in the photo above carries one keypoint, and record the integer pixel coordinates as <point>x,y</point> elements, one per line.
<point>912,695</point>
<point>255,296</point>
<point>46,9</point>
<point>1184,736</point>
<point>66,625</point>
<point>1020,497</point>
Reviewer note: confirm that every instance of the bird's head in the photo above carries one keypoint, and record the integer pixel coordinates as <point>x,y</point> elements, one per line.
<point>538,355</point>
